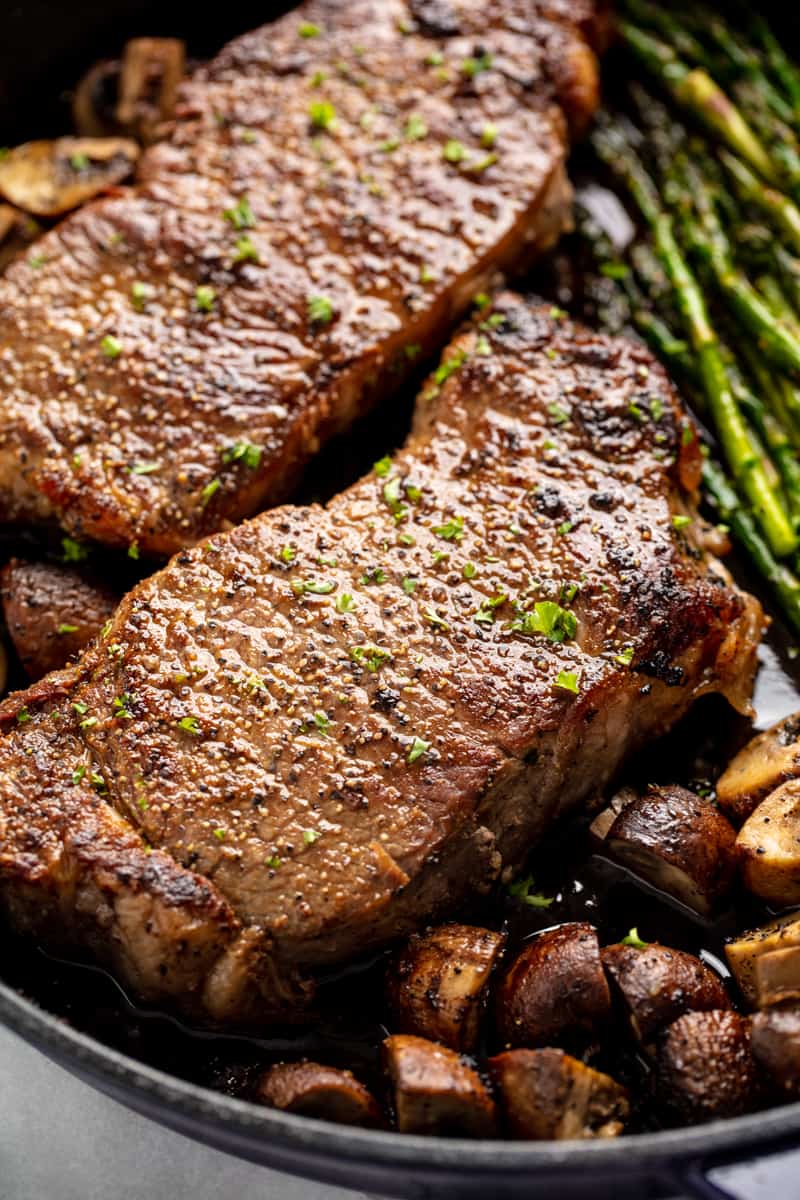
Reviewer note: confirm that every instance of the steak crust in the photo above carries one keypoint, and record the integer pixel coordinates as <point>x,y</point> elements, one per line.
<point>335,189</point>
<point>306,736</point>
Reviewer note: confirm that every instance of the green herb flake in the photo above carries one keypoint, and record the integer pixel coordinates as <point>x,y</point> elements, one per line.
<point>434,619</point>
<point>322,114</point>
<point>36,261</point>
<point>568,681</point>
<point>110,346</point>
<point>636,412</point>
<point>469,570</point>
<point>633,939</point>
<point>245,251</point>
<point>73,551</point>
<point>310,836</point>
<point>209,491</point>
<point>309,30</point>
<point>559,414</point>
<point>486,613</point>
<point>219,834</point>
<point>322,723</point>
<point>133,551</point>
<point>88,722</point>
<point>453,151</point>
<point>345,603</point>
<point>287,554</point>
<point>481,164</point>
<point>244,452</point>
<point>680,521</point>
<point>79,162</point>
<point>77,775</point>
<point>383,466</point>
<point>522,889</point>
<point>564,528</point>
<point>80,707</point>
<point>140,293</point>
<point>373,576</point>
<point>122,706</point>
<point>687,435</point>
<point>320,310</point>
<point>656,408</point>
<point>483,346</point>
<point>426,274</point>
<point>546,617</point>
<point>451,531</point>
<point>471,67</point>
<point>145,468</point>
<point>409,585</point>
<point>314,587</point>
<point>64,629</point>
<point>204,298</point>
<point>615,270</point>
<point>189,725</point>
<point>434,59</point>
<point>370,657</point>
<point>488,135</point>
<point>418,747</point>
<point>415,129</point>
<point>273,863</point>
<point>22,716</point>
<point>241,216</point>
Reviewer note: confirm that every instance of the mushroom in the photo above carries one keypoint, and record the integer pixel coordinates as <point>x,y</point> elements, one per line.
<point>677,842</point>
<point>776,1044</point>
<point>657,985</point>
<point>705,1066</point>
<point>437,985</point>
<point>767,761</point>
<point>555,989</point>
<point>435,1091</point>
<point>95,100</point>
<point>607,816</point>
<point>50,178</point>
<point>152,69</point>
<point>745,952</point>
<point>769,847</point>
<point>315,1090</point>
<point>548,1095</point>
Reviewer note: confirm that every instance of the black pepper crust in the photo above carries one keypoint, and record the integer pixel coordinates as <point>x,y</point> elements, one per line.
<point>329,723</point>
<point>334,190</point>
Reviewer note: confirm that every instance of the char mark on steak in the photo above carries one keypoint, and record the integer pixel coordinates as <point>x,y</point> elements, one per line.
<point>336,188</point>
<point>309,735</point>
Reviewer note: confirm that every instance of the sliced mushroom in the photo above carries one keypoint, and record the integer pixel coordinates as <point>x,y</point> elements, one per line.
<point>776,1044</point>
<point>50,178</point>
<point>657,985</point>
<point>548,1095</point>
<point>434,1091</point>
<point>152,69</point>
<point>769,847</point>
<point>744,952</point>
<point>777,976</point>
<point>767,761</point>
<point>95,100</point>
<point>606,817</point>
<point>705,1066</point>
<point>555,990</point>
<point>437,985</point>
<point>678,843</point>
<point>314,1090</point>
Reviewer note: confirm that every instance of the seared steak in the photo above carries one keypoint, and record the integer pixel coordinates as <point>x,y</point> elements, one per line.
<point>336,188</point>
<point>51,612</point>
<point>307,735</point>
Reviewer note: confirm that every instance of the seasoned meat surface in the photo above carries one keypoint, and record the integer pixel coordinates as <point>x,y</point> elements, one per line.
<point>308,735</point>
<point>51,612</point>
<point>335,189</point>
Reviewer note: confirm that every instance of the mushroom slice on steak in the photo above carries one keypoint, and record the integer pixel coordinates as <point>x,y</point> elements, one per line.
<point>437,985</point>
<point>315,1090</point>
<point>436,1092</point>
<point>657,985</point>
<point>152,69</point>
<point>766,762</point>
<point>678,843</point>
<point>548,1095</point>
<point>776,1044</point>
<point>705,1066</point>
<point>745,952</point>
<point>49,178</point>
<point>769,847</point>
<point>555,990</point>
<point>94,101</point>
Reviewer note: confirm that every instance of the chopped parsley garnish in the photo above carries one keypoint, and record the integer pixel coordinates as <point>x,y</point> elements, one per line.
<point>409,585</point>
<point>244,452</point>
<point>453,151</point>
<point>145,468</point>
<point>418,747</point>
<point>483,346</point>
<point>559,414</point>
<point>656,408</point>
<point>274,862</point>
<point>241,216</point>
<point>73,551</point>
<point>546,617</point>
<point>481,164</point>
<point>476,66</point>
<point>320,310</point>
<point>389,146</point>
<point>568,592</point>
<point>189,725</point>
<point>219,834</point>
<point>680,521</point>
<point>383,466</point>
<point>564,528</point>
<point>64,628</point>
<point>391,495</point>
<point>374,575</point>
<point>79,162</point>
<point>469,570</point>
<point>245,251</point>
<point>426,274</point>
<point>139,295</point>
<point>80,707</point>
<point>133,550</point>
<point>88,722</point>
<point>322,722</point>
<point>77,775</point>
<point>434,619</point>
<point>636,412</point>
<point>521,890</point>
<point>440,556</point>
<point>122,705</point>
<point>110,346</point>
<point>322,114</point>
<point>568,681</point>
<point>451,531</point>
<point>633,939</point>
<point>488,135</point>
<point>204,298</point>
<point>287,554</point>
<point>415,129</point>
<point>372,658</point>
<point>316,587</point>
<point>209,491</point>
<point>309,30</point>
<point>310,836</point>
<point>22,716</point>
<point>445,370</point>
<point>36,261</point>
<point>434,59</point>
<point>485,614</point>
<point>345,603</point>
<point>615,270</point>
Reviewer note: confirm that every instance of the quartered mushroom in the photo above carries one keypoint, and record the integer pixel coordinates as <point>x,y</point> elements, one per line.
<point>766,762</point>
<point>48,178</point>
<point>315,1090</point>
<point>434,1091</point>
<point>548,1095</point>
<point>705,1066</point>
<point>656,985</point>
<point>769,847</point>
<point>132,97</point>
<point>776,1044</point>
<point>554,991</point>
<point>605,819</point>
<point>759,974</point>
<point>438,984</point>
<point>678,843</point>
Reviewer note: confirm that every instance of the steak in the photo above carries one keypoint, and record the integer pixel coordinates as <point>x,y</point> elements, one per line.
<point>335,189</point>
<point>308,735</point>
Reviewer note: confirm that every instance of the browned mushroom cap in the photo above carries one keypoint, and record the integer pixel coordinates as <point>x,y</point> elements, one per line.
<point>769,847</point>
<point>555,989</point>
<point>677,842</point>
<point>657,985</point>
<point>152,69</point>
<point>94,101</point>
<point>314,1090</point>
<point>767,761</point>
<point>434,1091</point>
<point>705,1066</point>
<point>777,976</point>
<point>50,178</point>
<point>548,1095</point>
<point>745,952</point>
<point>437,985</point>
<point>776,1044</point>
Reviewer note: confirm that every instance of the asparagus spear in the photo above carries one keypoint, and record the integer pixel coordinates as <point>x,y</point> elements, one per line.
<point>696,91</point>
<point>730,425</point>
<point>775,204</point>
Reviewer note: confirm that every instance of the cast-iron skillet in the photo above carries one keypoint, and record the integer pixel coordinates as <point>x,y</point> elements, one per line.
<point>46,40</point>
